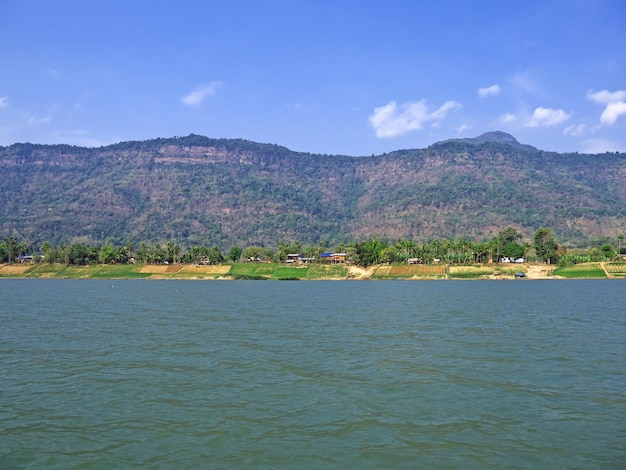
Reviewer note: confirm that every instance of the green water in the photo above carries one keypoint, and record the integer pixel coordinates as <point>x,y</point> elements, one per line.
<point>363,374</point>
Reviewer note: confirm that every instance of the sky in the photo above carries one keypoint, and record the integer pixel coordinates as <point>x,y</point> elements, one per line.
<point>320,76</point>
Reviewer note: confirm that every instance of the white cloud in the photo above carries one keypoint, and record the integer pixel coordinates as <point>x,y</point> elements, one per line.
<point>4,102</point>
<point>544,117</point>
<point>507,118</point>
<point>198,95</point>
<point>441,113</point>
<point>606,96</point>
<point>493,90</point>
<point>36,120</point>
<point>615,102</point>
<point>393,120</point>
<point>576,130</point>
<point>462,128</point>
<point>612,112</point>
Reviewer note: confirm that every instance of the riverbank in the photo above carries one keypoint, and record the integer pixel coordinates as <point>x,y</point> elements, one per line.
<point>275,271</point>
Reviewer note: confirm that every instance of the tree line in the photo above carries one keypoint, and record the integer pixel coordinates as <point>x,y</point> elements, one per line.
<point>507,244</point>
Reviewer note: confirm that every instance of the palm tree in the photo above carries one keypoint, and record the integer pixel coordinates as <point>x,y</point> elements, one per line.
<point>11,246</point>
<point>143,253</point>
<point>620,238</point>
<point>21,248</point>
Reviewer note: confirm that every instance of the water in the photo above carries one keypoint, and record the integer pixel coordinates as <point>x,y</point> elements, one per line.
<point>361,374</point>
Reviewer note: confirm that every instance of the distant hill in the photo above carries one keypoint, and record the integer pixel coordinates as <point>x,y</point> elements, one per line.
<point>198,190</point>
<point>496,136</point>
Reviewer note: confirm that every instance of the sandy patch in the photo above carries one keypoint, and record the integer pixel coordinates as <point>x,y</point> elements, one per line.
<point>210,270</point>
<point>539,271</point>
<point>355,272</point>
<point>531,271</point>
<point>15,269</point>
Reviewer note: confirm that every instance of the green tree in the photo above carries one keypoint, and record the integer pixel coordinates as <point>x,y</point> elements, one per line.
<point>197,254</point>
<point>406,249</point>
<point>607,251</point>
<point>80,254</point>
<point>64,253</point>
<point>44,248</point>
<point>389,254</point>
<point>312,251</point>
<point>107,254</point>
<point>513,250</point>
<point>254,252</point>
<point>21,248</point>
<point>215,255</point>
<point>369,252</point>
<point>505,237</point>
<point>545,245</point>
<point>285,249</point>
<point>176,249</point>
<point>123,253</point>
<point>143,253</point>
<point>11,247</point>
<point>482,251</point>
<point>508,235</point>
<point>235,253</point>
<point>172,253</point>
<point>157,254</point>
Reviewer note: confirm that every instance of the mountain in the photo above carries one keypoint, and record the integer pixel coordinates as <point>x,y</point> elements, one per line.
<point>495,136</point>
<point>198,190</point>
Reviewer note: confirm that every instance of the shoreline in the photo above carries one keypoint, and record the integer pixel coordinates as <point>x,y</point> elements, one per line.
<point>318,272</point>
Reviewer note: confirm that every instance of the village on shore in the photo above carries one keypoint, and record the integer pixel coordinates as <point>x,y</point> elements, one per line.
<point>316,271</point>
<point>503,257</point>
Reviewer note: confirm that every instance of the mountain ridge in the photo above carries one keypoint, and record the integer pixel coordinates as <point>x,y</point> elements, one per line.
<point>196,189</point>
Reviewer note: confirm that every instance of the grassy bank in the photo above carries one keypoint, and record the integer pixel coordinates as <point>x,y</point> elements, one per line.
<point>585,270</point>
<point>178,271</point>
<point>275,271</point>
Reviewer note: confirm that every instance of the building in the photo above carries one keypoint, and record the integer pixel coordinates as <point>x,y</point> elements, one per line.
<point>334,258</point>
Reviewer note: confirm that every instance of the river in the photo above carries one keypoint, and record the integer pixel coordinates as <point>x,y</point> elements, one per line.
<point>317,374</point>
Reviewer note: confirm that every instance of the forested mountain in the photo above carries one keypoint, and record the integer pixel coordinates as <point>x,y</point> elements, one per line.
<point>197,190</point>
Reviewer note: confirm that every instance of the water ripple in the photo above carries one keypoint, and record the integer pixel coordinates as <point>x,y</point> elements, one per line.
<point>312,375</point>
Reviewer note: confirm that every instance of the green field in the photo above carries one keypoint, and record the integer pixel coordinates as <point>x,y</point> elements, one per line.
<point>99,271</point>
<point>322,271</point>
<point>290,272</point>
<point>280,271</point>
<point>252,270</point>
<point>585,270</point>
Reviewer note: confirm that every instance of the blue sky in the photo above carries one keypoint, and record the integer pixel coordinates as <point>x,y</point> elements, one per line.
<point>336,77</point>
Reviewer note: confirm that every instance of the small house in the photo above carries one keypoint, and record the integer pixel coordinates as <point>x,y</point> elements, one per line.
<point>294,258</point>
<point>334,258</point>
